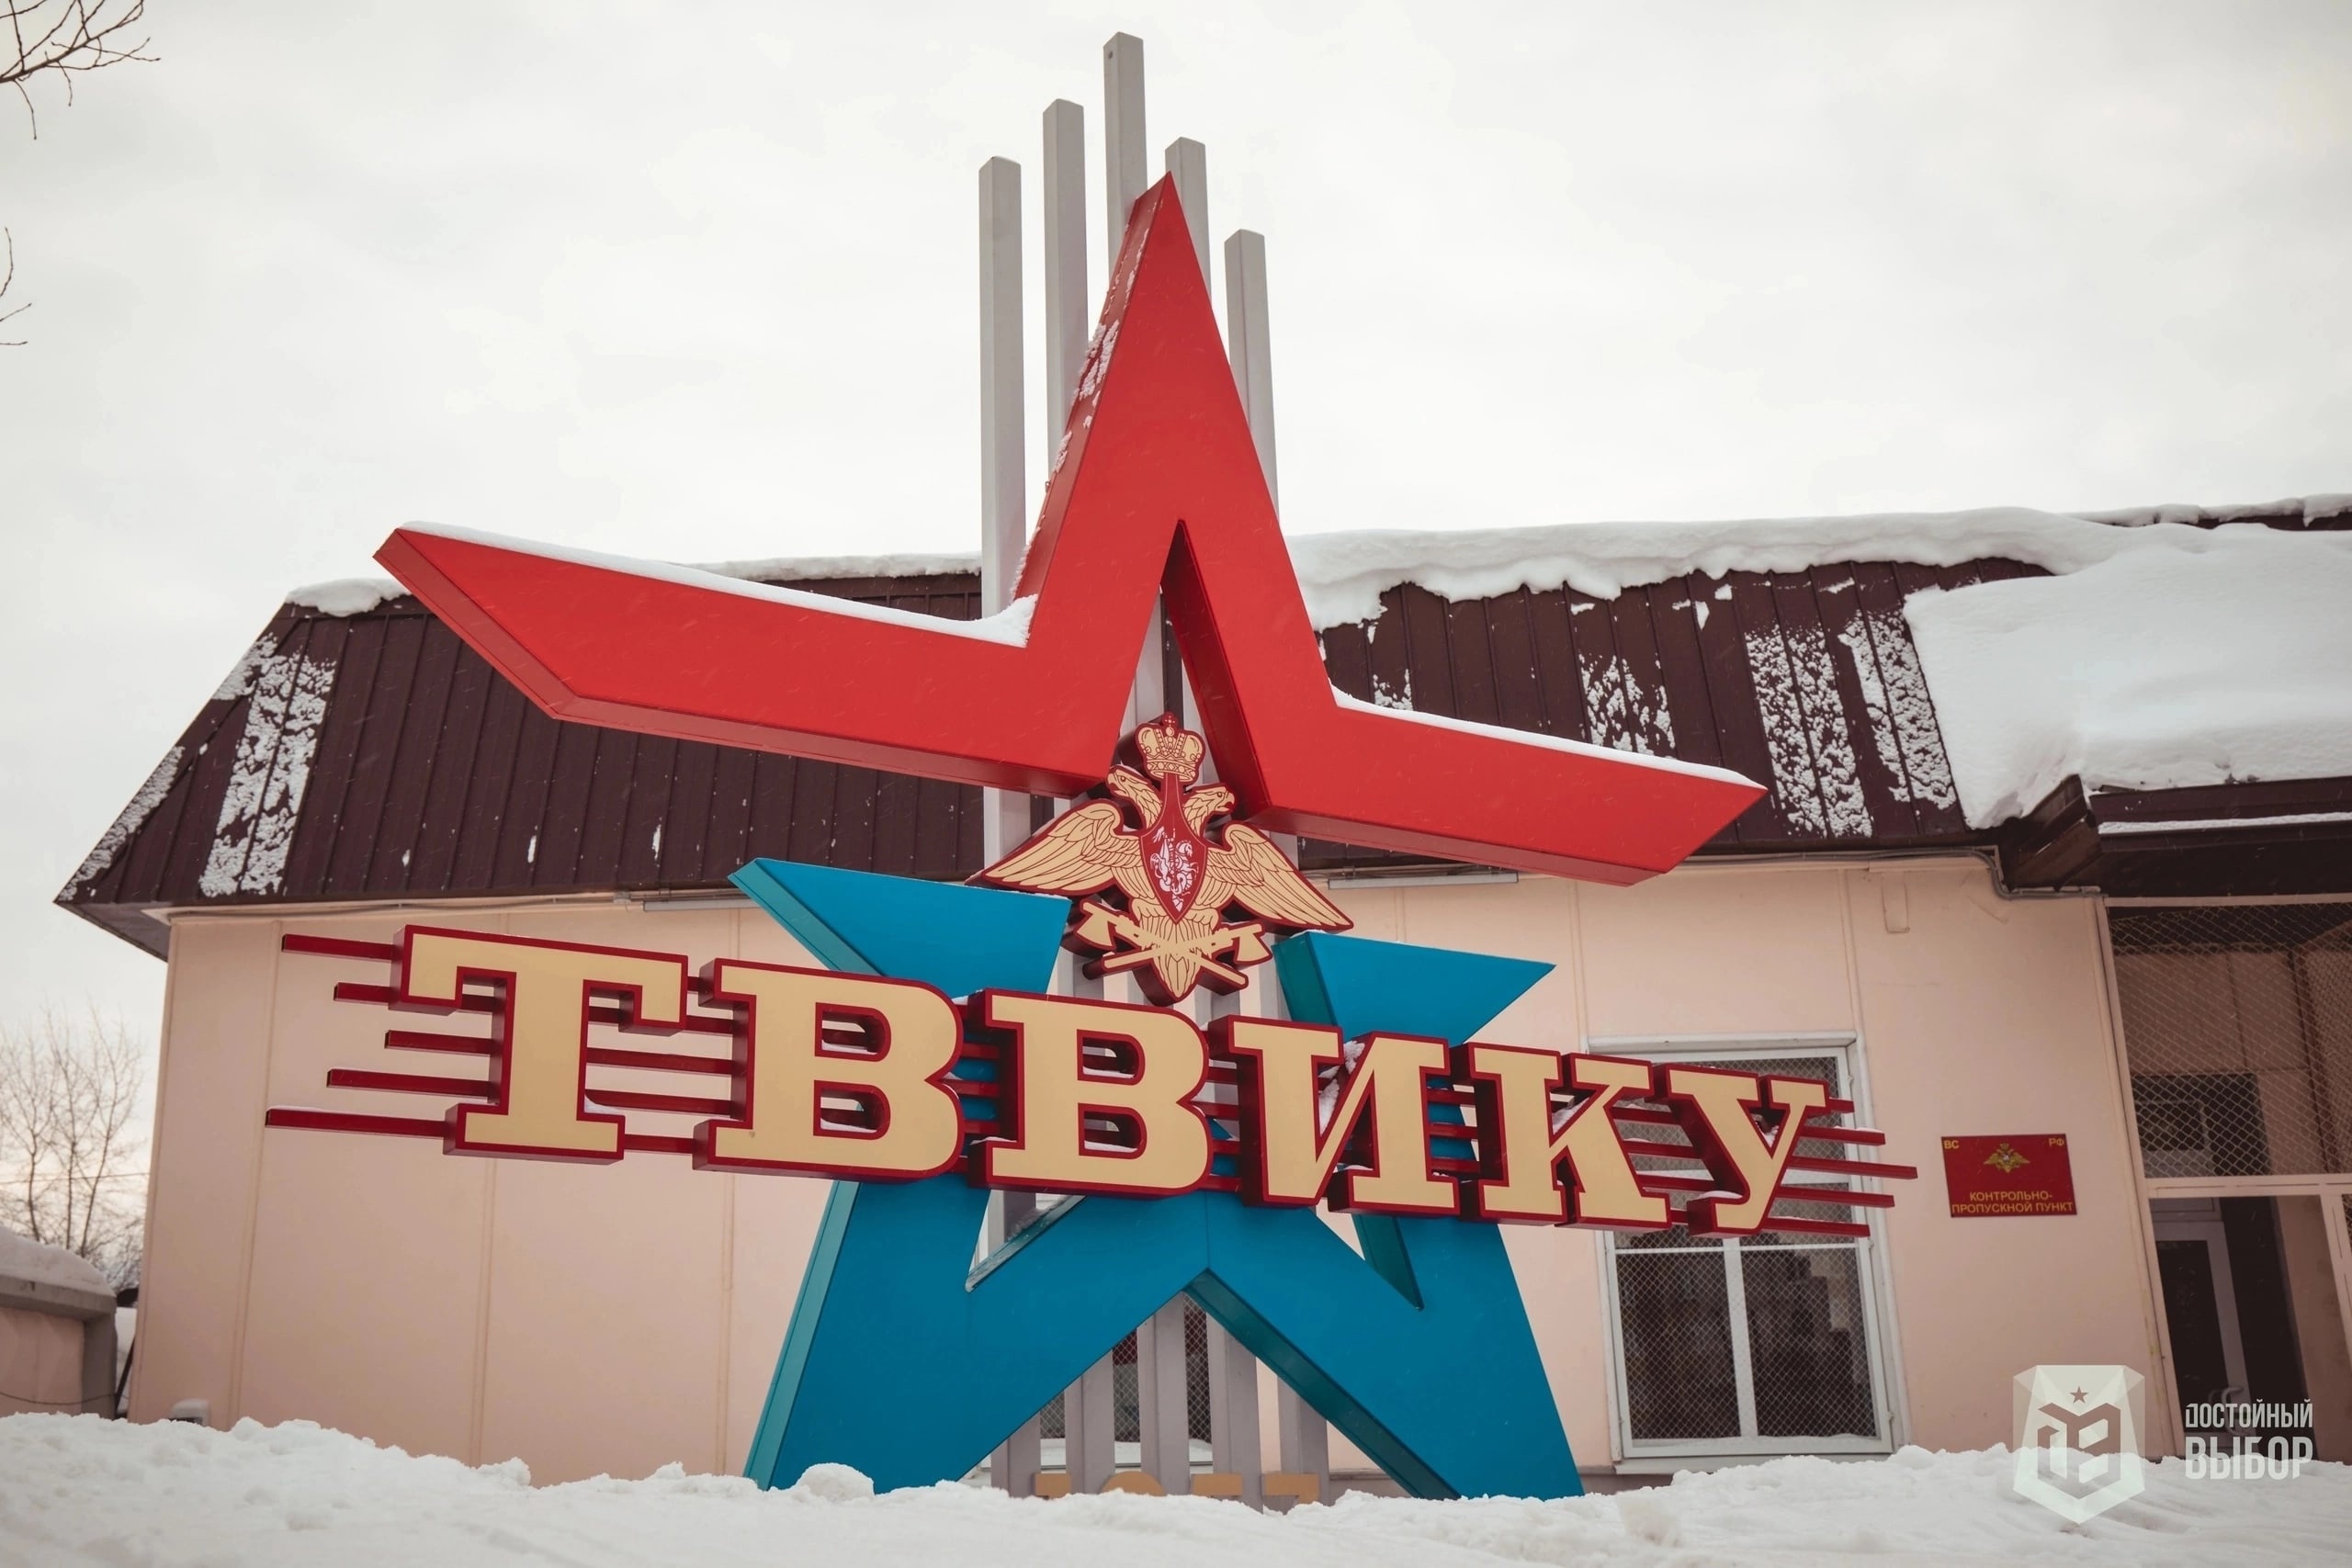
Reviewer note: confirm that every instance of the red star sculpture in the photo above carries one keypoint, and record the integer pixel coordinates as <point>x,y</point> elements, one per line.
<point>1158,490</point>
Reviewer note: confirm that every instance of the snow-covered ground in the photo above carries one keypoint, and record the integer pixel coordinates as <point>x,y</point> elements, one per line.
<point>79,1490</point>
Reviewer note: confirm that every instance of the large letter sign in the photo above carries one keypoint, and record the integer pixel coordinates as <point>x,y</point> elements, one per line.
<point>1293,1141</point>
<point>1097,1097</point>
<point>923,1058</point>
<point>541,1065</point>
<point>900,1118</point>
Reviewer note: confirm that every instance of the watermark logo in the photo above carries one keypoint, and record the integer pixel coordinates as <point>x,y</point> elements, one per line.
<point>2078,1439</point>
<point>2243,1440</point>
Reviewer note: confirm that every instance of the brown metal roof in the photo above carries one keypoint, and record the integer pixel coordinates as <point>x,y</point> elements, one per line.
<point>2281,836</point>
<point>1805,681</point>
<point>374,756</point>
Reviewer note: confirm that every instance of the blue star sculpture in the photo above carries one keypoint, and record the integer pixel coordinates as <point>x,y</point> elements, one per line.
<point>906,1361</point>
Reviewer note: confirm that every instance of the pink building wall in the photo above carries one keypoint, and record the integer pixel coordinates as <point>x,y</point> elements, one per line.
<point>615,1318</point>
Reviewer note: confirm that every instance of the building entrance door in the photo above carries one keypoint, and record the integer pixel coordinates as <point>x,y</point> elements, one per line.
<point>2237,1030</point>
<point>2201,1299</point>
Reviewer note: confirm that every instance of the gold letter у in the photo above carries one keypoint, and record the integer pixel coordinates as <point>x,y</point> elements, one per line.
<point>1713,1106</point>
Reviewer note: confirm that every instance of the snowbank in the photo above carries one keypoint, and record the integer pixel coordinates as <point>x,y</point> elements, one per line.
<point>2197,657</point>
<point>81,1491</point>
<point>21,1258</point>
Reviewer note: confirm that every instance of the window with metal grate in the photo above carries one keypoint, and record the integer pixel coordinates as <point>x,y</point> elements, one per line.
<point>2237,1024</point>
<point>1755,1344</point>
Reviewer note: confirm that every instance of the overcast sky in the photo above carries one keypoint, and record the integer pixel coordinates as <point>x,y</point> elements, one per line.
<point>584,272</point>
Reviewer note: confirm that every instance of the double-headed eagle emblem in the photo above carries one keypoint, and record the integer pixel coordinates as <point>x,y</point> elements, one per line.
<point>1177,874</point>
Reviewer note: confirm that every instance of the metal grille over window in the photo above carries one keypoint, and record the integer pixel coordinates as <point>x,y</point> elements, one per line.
<point>1127,1395</point>
<point>1759,1343</point>
<point>2237,1021</point>
<point>1197,1375</point>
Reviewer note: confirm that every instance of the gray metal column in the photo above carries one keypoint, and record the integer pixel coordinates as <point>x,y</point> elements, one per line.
<point>1065,299</point>
<point>1166,1407</point>
<point>1089,1426</point>
<point>1013,1466</point>
<point>1246,343</point>
<point>1233,1415</point>
<point>1125,160</point>
<point>1188,165</point>
<point>1004,515</point>
<point>1306,1442</point>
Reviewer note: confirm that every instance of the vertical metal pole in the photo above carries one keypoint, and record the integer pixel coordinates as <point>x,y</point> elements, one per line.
<point>1003,520</point>
<point>1004,524</point>
<point>1247,344</point>
<point>1307,1442</point>
<point>1233,1415</point>
<point>1124,175</point>
<point>1302,1440</point>
<point>1089,1428</point>
<point>1065,299</point>
<point>1123,157</point>
<point>1188,165</point>
<point>1013,1466</point>
<point>1249,348</point>
<point>1004,531</point>
<point>1166,1409</point>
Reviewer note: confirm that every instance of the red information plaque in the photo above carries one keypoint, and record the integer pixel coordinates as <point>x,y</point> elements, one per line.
<point>2023,1173</point>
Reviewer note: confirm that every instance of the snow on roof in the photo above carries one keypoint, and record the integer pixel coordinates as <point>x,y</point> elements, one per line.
<point>358,596</point>
<point>21,1258</point>
<point>2174,646</point>
<point>2197,657</point>
<point>1009,625</point>
<point>1344,574</point>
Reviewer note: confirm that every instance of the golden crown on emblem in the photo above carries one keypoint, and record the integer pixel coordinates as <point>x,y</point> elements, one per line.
<point>1167,748</point>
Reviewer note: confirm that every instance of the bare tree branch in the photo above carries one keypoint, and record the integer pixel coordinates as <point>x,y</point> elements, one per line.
<point>69,1088</point>
<point>67,38</point>
<point>8,277</point>
<point>64,38</point>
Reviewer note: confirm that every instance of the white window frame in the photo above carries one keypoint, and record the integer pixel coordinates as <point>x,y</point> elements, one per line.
<point>1870,1269</point>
